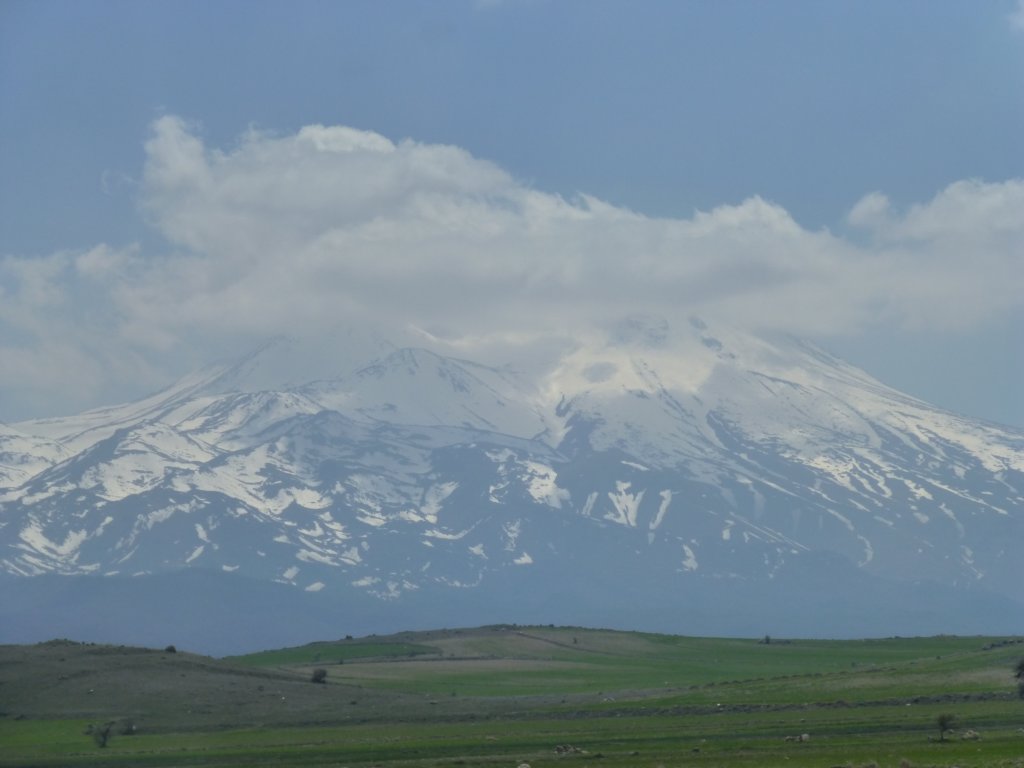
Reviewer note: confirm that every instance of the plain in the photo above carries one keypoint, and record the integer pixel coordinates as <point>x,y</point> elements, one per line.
<point>504,695</point>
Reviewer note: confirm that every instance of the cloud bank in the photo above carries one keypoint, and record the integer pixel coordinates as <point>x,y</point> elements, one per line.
<point>334,226</point>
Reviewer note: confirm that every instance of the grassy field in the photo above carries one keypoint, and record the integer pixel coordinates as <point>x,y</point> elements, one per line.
<point>501,696</point>
<point>335,653</point>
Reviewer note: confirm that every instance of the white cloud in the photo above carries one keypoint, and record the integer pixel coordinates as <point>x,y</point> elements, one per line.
<point>334,225</point>
<point>1017,17</point>
<point>871,211</point>
<point>953,262</point>
<point>65,334</point>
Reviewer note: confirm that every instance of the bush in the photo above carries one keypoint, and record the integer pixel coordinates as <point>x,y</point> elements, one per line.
<point>101,732</point>
<point>319,675</point>
<point>945,722</point>
<point>170,649</point>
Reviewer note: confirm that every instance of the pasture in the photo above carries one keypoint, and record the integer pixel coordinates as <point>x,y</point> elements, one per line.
<point>506,695</point>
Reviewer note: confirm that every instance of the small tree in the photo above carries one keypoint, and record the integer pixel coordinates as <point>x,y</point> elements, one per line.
<point>945,722</point>
<point>319,675</point>
<point>101,733</point>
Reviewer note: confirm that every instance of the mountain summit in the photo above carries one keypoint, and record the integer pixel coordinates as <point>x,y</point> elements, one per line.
<point>692,480</point>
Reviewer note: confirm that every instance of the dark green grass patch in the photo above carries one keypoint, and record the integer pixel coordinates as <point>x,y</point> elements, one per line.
<point>884,737</point>
<point>335,652</point>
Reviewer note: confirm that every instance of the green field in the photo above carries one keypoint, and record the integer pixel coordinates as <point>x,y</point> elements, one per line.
<point>501,696</point>
<point>336,652</point>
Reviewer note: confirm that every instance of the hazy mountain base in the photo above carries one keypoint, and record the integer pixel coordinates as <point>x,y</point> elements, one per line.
<point>223,613</point>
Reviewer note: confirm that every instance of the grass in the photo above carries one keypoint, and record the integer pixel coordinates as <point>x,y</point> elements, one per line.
<point>335,653</point>
<point>498,696</point>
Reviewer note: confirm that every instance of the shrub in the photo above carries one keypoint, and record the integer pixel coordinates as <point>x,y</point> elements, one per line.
<point>945,722</point>
<point>101,732</point>
<point>319,675</point>
<point>170,649</point>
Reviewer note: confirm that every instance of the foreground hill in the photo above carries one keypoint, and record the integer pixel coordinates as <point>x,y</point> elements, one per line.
<point>502,694</point>
<point>501,668</point>
<point>646,478</point>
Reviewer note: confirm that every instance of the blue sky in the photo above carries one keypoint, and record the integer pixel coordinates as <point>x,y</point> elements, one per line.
<point>875,142</point>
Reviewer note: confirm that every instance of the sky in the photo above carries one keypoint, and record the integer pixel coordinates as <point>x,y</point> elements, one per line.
<point>182,180</point>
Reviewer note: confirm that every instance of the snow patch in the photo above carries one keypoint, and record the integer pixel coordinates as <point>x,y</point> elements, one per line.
<point>309,556</point>
<point>512,531</point>
<point>446,535</point>
<point>588,506</point>
<point>916,490</point>
<point>350,556</point>
<point>433,497</point>
<point>949,513</point>
<point>869,551</point>
<point>666,499</point>
<point>634,465</point>
<point>37,540</point>
<point>542,486</point>
<point>689,559</point>
<point>625,504</point>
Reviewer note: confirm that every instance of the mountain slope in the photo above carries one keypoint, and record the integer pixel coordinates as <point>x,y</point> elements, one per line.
<point>648,473</point>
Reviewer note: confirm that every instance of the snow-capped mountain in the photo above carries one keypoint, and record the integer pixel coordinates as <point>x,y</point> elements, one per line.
<point>23,456</point>
<point>685,479</point>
